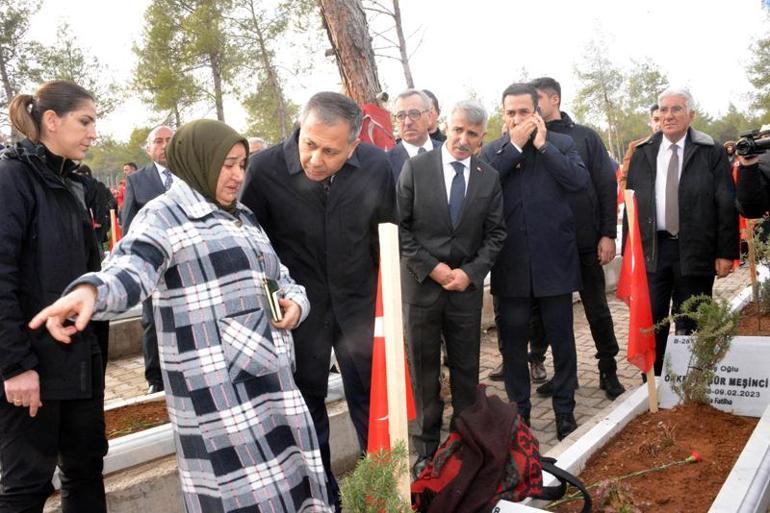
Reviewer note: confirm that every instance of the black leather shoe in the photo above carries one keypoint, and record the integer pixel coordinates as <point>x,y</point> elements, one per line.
<point>419,466</point>
<point>497,374</point>
<point>608,381</point>
<point>546,389</point>
<point>154,388</point>
<point>565,424</point>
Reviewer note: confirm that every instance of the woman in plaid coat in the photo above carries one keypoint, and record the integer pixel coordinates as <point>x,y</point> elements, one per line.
<point>244,436</point>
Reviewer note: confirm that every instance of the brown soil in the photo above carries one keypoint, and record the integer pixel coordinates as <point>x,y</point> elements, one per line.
<point>651,440</point>
<point>750,323</point>
<point>130,419</point>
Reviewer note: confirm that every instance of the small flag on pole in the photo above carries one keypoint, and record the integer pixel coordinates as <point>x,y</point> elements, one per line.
<point>115,232</point>
<point>379,436</point>
<point>634,291</point>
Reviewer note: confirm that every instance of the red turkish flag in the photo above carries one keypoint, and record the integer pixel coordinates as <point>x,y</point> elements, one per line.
<point>634,291</point>
<point>379,433</point>
<point>115,232</point>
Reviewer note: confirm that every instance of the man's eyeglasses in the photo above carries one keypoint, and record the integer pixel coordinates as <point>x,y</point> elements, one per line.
<point>413,114</point>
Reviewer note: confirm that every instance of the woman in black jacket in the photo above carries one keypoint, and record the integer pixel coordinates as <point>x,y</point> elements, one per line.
<point>51,402</point>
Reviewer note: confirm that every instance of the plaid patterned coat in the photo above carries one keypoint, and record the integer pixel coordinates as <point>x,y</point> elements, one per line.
<point>244,436</point>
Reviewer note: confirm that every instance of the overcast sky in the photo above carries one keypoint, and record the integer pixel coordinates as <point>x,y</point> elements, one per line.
<point>478,46</point>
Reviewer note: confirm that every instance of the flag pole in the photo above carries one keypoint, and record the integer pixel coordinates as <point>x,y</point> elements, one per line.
<point>394,345</point>
<point>652,389</point>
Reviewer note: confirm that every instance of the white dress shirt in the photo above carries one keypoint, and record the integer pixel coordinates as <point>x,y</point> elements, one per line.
<point>661,176</point>
<point>449,171</point>
<point>162,173</point>
<point>413,150</point>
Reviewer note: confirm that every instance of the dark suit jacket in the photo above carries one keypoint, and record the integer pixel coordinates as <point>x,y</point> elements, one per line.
<point>141,187</point>
<point>329,244</point>
<point>427,234</point>
<point>398,155</point>
<point>708,218</point>
<point>540,256</point>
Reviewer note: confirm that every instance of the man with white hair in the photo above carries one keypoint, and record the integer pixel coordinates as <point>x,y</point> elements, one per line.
<point>450,238</point>
<point>256,144</point>
<point>141,187</point>
<point>686,212</point>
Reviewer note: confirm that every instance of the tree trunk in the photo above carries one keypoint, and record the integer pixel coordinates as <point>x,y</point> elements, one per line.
<point>217,76</point>
<point>348,32</point>
<point>9,92</point>
<point>402,45</point>
<point>177,116</point>
<point>272,76</point>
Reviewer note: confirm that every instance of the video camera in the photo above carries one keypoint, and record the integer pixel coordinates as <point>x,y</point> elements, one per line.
<point>753,143</point>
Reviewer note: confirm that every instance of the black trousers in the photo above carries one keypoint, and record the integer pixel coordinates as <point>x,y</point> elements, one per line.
<point>594,299</point>
<point>668,290</point>
<point>460,327</point>
<point>513,315</point>
<point>69,433</point>
<point>357,398</point>
<point>150,346</point>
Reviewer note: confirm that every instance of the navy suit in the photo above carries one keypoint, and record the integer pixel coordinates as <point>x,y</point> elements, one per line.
<point>141,188</point>
<point>539,260</point>
<point>398,155</point>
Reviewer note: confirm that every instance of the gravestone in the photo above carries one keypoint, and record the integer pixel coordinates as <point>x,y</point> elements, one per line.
<point>742,382</point>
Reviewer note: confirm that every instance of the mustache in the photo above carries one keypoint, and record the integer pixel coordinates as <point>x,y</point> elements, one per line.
<point>463,148</point>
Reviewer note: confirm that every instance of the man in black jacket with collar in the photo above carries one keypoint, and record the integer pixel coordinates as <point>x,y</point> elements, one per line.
<point>320,196</point>
<point>595,211</point>
<point>686,210</point>
<point>539,260</point>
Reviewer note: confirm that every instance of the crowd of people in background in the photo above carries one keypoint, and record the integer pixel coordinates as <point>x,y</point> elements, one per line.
<point>214,218</point>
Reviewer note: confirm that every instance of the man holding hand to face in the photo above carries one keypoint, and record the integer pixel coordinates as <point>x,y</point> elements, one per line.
<point>539,261</point>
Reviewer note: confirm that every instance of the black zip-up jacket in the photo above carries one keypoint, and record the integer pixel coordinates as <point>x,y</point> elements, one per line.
<point>46,241</point>
<point>595,209</point>
<point>708,219</point>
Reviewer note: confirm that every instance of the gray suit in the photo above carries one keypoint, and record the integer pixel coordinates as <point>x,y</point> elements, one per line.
<point>141,188</point>
<point>427,238</point>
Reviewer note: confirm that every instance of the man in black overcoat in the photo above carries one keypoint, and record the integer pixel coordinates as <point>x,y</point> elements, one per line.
<point>320,196</point>
<point>688,220</point>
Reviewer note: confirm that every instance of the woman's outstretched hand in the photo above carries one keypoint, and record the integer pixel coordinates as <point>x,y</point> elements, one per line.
<point>78,305</point>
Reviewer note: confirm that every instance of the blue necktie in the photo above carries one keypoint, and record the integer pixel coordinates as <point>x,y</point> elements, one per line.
<point>169,179</point>
<point>457,193</point>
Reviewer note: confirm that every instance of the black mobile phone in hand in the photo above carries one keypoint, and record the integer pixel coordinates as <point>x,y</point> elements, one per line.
<point>273,293</point>
<point>534,132</point>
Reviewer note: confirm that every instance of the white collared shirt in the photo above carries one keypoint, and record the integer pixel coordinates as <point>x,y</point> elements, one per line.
<point>413,150</point>
<point>661,176</point>
<point>162,173</point>
<point>449,171</point>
